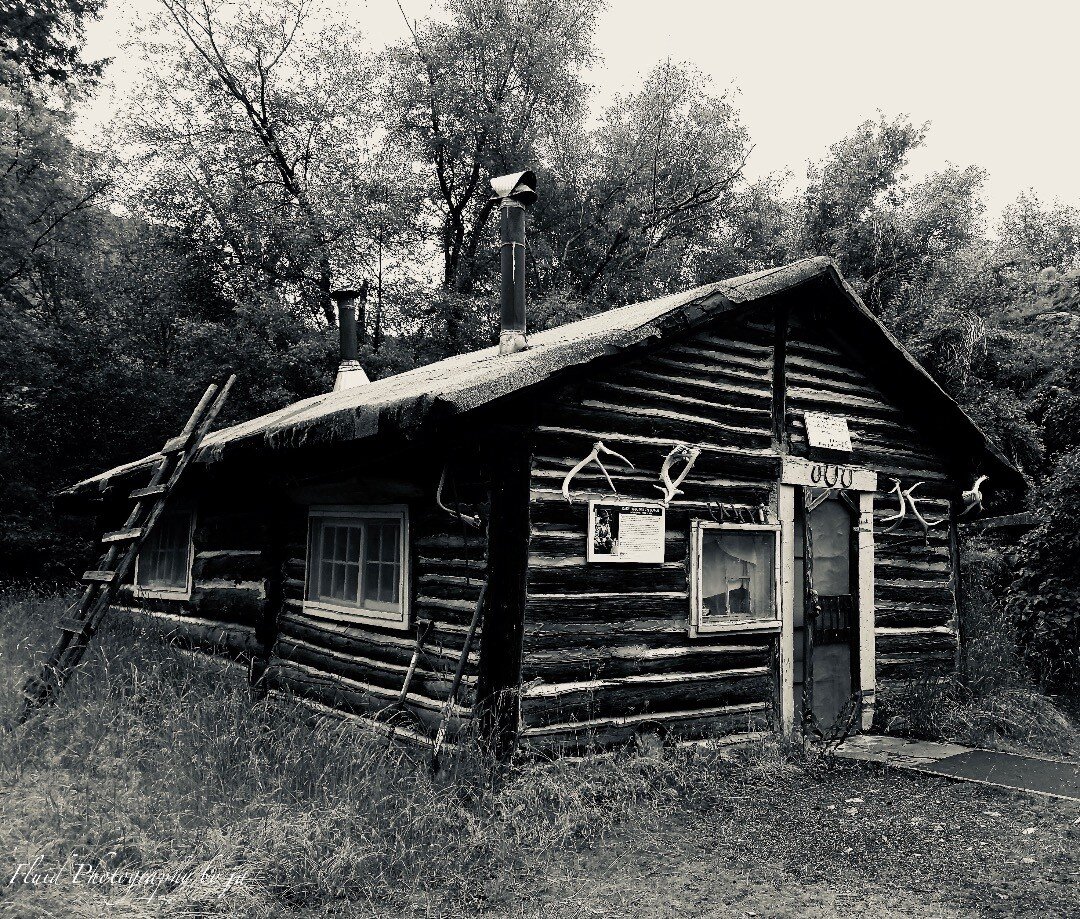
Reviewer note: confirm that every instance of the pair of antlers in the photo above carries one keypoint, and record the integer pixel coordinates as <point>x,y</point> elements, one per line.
<point>907,500</point>
<point>670,487</point>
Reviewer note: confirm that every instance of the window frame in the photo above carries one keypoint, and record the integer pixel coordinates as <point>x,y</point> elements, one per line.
<point>697,626</point>
<point>169,593</point>
<point>379,614</point>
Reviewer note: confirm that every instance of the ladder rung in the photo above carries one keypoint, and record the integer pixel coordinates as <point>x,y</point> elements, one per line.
<point>75,626</point>
<point>150,492</point>
<point>123,535</point>
<point>99,577</point>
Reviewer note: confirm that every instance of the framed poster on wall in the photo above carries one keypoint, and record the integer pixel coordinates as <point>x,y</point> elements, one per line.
<point>625,531</point>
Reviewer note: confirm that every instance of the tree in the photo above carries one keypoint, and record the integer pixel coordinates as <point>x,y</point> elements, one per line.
<point>264,127</point>
<point>638,205</point>
<point>487,92</point>
<point>41,42</point>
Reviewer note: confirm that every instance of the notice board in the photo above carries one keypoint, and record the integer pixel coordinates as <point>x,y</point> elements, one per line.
<point>626,531</point>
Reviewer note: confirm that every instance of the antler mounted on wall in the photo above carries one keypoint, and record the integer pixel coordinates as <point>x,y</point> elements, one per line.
<point>908,501</point>
<point>680,452</point>
<point>471,520</point>
<point>973,497</point>
<point>594,457</point>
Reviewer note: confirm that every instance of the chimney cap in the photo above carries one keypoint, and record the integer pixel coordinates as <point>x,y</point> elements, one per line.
<point>349,293</point>
<point>516,186</point>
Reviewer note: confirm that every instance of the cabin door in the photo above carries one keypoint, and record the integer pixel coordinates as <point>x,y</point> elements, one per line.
<point>826,610</point>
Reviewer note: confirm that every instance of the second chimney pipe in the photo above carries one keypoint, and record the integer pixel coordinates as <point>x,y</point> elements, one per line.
<point>514,193</point>
<point>349,373</point>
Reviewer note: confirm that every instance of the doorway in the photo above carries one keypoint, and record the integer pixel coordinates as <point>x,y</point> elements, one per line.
<point>825,609</point>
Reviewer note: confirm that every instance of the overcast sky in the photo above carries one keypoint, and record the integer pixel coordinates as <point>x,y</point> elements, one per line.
<point>998,81</point>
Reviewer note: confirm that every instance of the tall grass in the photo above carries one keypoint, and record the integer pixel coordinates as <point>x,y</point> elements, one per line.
<point>159,758</point>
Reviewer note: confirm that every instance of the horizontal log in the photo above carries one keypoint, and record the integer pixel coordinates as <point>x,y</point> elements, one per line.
<point>613,660</point>
<point>556,634</point>
<point>916,569</point>
<point>705,352</point>
<point>799,361</point>
<point>905,592</point>
<point>742,340</point>
<point>899,640</point>
<point>709,369</point>
<point>716,721</point>
<point>614,607</point>
<point>899,668</point>
<point>430,684</point>
<point>229,565</point>
<point>354,696</point>
<point>475,569</point>
<point>618,578</point>
<point>467,544</point>
<point>677,419</point>
<point>555,547</point>
<point>636,695</point>
<point>559,439</point>
<point>393,647</point>
<point>751,397</point>
<point>804,398</point>
<point>228,602</point>
<point>653,424</point>
<point>755,416</point>
<point>231,639</point>
<point>913,614</point>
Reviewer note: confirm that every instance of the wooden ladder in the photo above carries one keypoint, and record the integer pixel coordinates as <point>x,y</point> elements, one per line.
<point>122,547</point>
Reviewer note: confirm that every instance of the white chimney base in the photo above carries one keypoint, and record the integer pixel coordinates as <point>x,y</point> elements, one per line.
<point>512,341</point>
<point>349,374</point>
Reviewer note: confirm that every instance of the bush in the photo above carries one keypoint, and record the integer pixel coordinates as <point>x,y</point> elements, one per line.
<point>1044,599</point>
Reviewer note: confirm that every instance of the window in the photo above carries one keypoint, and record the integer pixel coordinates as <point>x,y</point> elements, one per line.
<point>357,563</point>
<point>734,576</point>
<point>163,567</point>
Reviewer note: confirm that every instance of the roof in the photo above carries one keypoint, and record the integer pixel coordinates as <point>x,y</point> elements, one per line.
<point>458,384</point>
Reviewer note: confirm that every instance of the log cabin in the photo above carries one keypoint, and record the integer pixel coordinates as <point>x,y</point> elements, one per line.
<point>732,509</point>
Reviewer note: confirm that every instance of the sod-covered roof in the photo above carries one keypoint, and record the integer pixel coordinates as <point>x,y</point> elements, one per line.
<point>406,402</point>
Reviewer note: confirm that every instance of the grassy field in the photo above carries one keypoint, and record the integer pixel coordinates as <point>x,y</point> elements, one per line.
<point>158,788</point>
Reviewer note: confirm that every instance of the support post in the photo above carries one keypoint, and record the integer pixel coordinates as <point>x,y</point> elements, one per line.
<point>509,463</point>
<point>786,499</point>
<point>266,628</point>
<point>867,668</point>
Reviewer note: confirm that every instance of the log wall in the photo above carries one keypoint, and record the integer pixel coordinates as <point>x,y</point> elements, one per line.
<point>606,648</point>
<point>357,667</point>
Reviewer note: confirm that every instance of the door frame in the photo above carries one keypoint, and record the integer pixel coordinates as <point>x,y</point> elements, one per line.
<point>799,472</point>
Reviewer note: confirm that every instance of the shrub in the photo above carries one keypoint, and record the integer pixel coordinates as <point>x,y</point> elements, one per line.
<point>1044,599</point>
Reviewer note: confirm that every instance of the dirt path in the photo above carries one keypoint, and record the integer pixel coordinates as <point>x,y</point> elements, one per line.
<point>861,842</point>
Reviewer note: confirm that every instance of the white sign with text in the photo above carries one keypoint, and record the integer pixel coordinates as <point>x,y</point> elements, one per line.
<point>827,432</point>
<point>626,531</point>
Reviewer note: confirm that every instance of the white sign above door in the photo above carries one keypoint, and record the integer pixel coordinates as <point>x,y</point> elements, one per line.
<point>827,432</point>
